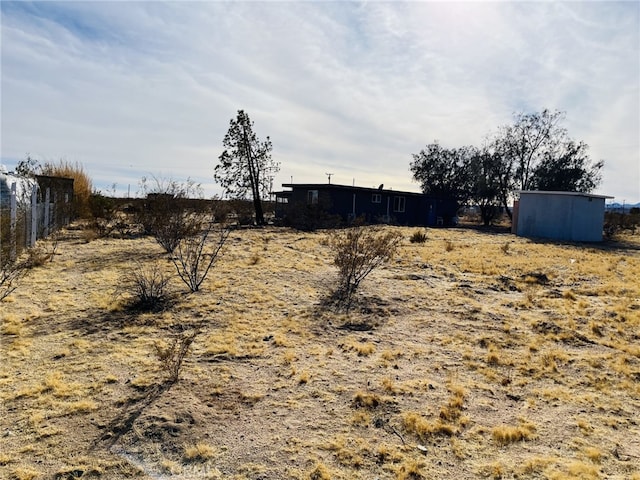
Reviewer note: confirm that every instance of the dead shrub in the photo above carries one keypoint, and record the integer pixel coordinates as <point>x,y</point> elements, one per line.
<point>418,237</point>
<point>172,355</point>
<point>37,256</point>
<point>11,271</point>
<point>168,212</point>
<point>171,229</point>
<point>148,286</point>
<point>193,258</point>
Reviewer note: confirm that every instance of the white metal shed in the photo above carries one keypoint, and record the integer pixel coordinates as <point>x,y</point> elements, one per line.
<point>568,216</point>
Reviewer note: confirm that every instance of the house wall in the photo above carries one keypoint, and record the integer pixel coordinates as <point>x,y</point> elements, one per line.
<point>348,203</point>
<point>574,218</point>
<point>419,210</point>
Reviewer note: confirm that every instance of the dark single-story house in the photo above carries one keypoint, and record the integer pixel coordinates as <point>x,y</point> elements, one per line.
<point>375,205</point>
<point>566,216</point>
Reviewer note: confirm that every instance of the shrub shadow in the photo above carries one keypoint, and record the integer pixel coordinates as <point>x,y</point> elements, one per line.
<point>363,313</point>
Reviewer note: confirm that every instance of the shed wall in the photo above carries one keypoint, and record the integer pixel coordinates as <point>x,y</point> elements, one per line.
<point>561,217</point>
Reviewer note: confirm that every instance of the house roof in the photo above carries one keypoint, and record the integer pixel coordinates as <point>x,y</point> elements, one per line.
<point>334,186</point>
<point>575,194</point>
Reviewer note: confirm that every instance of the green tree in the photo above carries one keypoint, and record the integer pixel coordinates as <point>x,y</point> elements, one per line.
<point>535,152</point>
<point>444,171</point>
<point>568,169</point>
<point>246,168</point>
<point>485,184</point>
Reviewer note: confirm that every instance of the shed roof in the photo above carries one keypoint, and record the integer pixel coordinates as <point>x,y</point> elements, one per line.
<point>575,194</point>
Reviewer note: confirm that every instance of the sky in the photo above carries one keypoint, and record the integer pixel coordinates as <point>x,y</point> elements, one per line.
<point>147,89</point>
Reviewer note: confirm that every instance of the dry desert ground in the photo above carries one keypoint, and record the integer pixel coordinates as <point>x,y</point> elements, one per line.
<point>475,354</point>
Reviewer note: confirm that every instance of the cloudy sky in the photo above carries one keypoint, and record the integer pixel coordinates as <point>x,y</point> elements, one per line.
<point>133,89</point>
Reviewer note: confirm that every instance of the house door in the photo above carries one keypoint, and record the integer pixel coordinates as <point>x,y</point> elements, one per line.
<point>431,215</point>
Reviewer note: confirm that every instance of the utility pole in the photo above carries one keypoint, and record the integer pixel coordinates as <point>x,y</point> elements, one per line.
<point>329,175</point>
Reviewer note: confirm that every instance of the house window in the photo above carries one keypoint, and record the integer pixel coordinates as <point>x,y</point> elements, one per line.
<point>376,198</point>
<point>312,197</point>
<point>282,200</point>
<point>398,204</point>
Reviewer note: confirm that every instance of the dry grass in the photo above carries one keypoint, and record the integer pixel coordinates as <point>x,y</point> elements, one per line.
<point>200,452</point>
<point>82,185</point>
<point>506,434</point>
<point>487,353</point>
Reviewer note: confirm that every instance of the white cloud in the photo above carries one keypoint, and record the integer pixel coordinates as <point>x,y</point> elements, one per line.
<point>133,89</point>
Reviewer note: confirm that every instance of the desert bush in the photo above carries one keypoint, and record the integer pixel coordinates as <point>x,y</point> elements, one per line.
<point>617,222</point>
<point>220,210</point>
<point>193,259</point>
<point>11,271</point>
<point>176,227</point>
<point>37,256</point>
<point>167,214</point>
<point>418,237</point>
<point>357,252</point>
<point>82,185</point>
<point>52,243</point>
<point>104,213</point>
<point>242,210</point>
<point>309,218</point>
<point>410,470</point>
<point>148,286</point>
<point>172,355</point>
<point>366,400</point>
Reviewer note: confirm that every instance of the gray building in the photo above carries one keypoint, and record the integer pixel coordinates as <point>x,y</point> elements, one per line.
<point>566,216</point>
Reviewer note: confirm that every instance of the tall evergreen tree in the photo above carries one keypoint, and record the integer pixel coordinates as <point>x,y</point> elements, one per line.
<point>246,169</point>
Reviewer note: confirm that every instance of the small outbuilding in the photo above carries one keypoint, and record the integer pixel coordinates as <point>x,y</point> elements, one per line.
<point>565,216</point>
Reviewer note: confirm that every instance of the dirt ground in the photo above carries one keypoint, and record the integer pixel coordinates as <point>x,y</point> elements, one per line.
<point>475,354</point>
